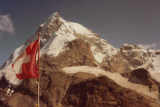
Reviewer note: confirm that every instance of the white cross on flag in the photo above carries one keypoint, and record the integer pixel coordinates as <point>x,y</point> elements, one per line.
<point>25,65</point>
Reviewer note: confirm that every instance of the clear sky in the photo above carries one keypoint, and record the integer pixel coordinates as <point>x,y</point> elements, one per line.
<point>117,21</point>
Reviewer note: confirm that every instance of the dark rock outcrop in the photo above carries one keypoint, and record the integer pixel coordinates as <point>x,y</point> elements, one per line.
<point>103,92</point>
<point>142,76</point>
<point>58,89</point>
<point>78,53</point>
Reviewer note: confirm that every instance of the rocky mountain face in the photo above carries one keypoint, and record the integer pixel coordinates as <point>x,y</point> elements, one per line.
<point>80,69</point>
<point>103,92</point>
<point>79,53</point>
<point>59,89</point>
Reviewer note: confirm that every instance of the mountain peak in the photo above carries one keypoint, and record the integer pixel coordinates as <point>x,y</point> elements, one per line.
<point>57,34</point>
<point>55,15</point>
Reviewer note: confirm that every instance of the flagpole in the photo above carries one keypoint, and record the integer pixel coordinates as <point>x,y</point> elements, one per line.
<point>38,69</point>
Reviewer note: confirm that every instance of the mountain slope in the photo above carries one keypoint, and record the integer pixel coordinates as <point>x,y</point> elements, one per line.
<point>103,92</point>
<point>56,33</point>
<point>58,89</point>
<point>72,54</point>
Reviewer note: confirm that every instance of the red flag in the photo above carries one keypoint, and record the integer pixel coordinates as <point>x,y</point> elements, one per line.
<point>25,65</point>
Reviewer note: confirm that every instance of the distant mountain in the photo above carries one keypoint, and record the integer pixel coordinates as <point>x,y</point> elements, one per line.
<point>73,56</point>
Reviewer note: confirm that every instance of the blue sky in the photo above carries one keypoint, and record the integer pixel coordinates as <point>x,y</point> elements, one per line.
<point>117,21</point>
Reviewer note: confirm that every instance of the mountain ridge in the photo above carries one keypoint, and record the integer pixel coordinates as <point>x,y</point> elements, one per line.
<point>71,55</point>
<point>56,33</point>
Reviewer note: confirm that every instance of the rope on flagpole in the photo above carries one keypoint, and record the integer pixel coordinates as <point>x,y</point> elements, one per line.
<point>38,69</point>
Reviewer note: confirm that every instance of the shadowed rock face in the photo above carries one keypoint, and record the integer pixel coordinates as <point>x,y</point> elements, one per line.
<point>58,89</point>
<point>78,53</point>
<point>142,76</point>
<point>103,92</point>
<point>53,87</point>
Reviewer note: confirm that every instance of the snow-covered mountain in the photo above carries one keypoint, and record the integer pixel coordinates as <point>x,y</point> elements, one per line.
<point>56,33</point>
<point>70,48</point>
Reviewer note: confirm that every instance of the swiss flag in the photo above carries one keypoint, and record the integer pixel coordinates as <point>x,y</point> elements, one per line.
<point>25,65</point>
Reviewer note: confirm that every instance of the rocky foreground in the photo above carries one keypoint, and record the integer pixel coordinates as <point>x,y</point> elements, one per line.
<point>58,89</point>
